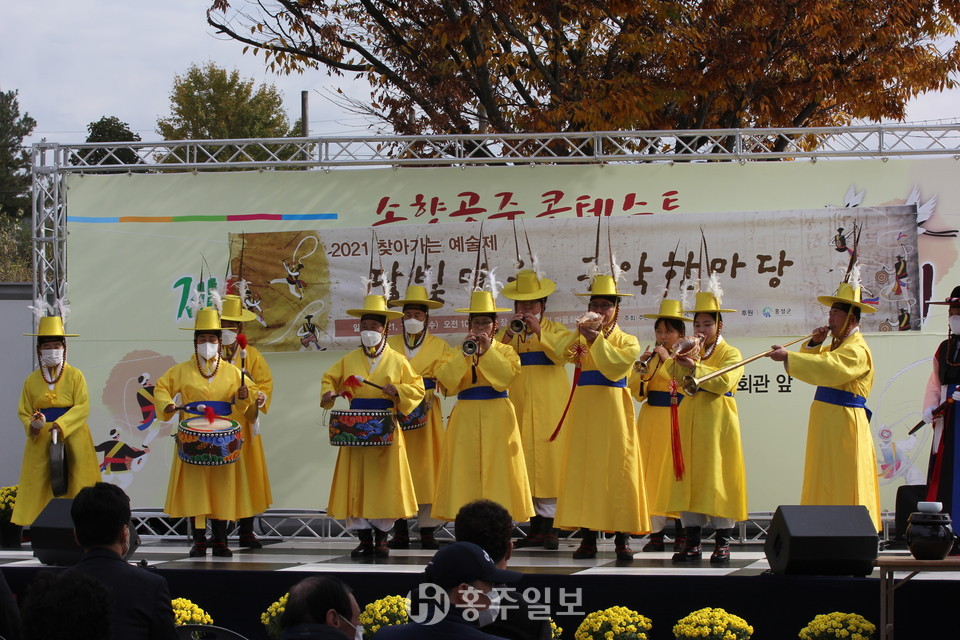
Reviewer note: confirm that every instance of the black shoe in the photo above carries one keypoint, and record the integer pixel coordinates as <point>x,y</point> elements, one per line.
<point>585,552</point>
<point>399,541</point>
<point>624,553</point>
<point>221,550</point>
<point>551,540</point>
<point>365,548</point>
<point>655,542</point>
<point>198,550</point>
<point>380,548</point>
<point>250,541</point>
<point>720,555</point>
<point>427,539</point>
<point>528,542</point>
<point>679,543</point>
<point>688,554</point>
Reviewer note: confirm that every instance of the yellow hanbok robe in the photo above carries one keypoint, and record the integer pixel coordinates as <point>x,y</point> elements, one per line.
<point>602,485</point>
<point>218,492</point>
<point>653,427</point>
<point>374,482</point>
<point>83,468</point>
<point>252,463</point>
<point>424,445</point>
<point>539,394</point>
<point>714,481</point>
<point>482,455</point>
<point>841,463</point>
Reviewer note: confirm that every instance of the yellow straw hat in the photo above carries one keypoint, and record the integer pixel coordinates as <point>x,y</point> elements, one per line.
<point>375,305</point>
<point>528,286</point>
<point>51,327</point>
<point>847,294</point>
<point>416,294</point>
<point>604,286</point>
<point>207,320</point>
<point>669,309</point>
<point>706,302</point>
<point>482,302</point>
<point>233,310</point>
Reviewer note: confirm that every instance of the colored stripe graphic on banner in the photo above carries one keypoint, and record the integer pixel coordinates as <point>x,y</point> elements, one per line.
<point>241,217</point>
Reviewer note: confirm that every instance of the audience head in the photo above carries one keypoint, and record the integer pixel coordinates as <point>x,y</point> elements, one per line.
<point>71,606</point>
<point>488,525</point>
<point>470,577</point>
<point>323,600</point>
<point>100,515</point>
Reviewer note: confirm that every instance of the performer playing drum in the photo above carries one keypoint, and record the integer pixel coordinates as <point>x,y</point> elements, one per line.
<point>253,462</point>
<point>841,463</point>
<point>708,484</point>
<point>653,386</point>
<point>54,399</point>
<point>538,394</point>
<point>482,456</point>
<point>425,351</point>
<point>372,486</point>
<point>602,487</point>
<point>196,491</point>
<point>943,472</point>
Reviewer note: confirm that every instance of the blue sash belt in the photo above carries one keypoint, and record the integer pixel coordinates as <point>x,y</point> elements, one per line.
<point>371,404</point>
<point>595,378</point>
<point>53,413</point>
<point>429,383</point>
<point>481,393</point>
<point>661,398</point>
<point>219,407</point>
<point>842,398</point>
<point>534,357</point>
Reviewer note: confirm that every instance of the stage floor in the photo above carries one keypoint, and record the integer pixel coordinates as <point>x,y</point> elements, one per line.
<point>333,556</point>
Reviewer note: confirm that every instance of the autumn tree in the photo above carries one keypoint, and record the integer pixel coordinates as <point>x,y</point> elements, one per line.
<point>211,103</point>
<point>14,158</point>
<point>514,66</point>
<point>110,129</point>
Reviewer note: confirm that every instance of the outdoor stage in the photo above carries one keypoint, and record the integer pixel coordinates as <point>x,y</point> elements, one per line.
<point>235,591</point>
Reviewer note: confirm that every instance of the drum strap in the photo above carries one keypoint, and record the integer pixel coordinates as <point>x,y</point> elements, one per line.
<point>661,398</point>
<point>595,378</point>
<point>842,398</point>
<point>219,407</point>
<point>370,404</point>
<point>528,358</point>
<point>53,413</point>
<point>481,393</point>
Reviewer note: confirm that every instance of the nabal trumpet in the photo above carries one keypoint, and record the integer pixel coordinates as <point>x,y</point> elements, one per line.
<point>643,366</point>
<point>470,347</point>
<point>517,325</point>
<point>691,385</point>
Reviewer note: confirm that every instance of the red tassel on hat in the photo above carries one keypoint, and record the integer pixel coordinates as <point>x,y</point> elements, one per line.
<point>678,466</point>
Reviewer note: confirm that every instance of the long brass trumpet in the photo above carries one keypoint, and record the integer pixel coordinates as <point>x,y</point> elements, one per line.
<point>691,385</point>
<point>643,366</point>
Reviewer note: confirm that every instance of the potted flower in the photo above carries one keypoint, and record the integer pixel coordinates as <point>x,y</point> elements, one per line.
<point>384,612</point>
<point>10,534</point>
<point>712,624</point>
<point>185,612</point>
<point>830,626</point>
<point>271,617</point>
<point>615,623</point>
<point>556,631</point>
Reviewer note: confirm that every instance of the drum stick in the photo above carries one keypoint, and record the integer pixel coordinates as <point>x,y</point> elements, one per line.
<point>355,381</point>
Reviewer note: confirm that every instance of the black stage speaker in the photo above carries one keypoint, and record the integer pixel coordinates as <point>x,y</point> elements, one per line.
<point>908,496</point>
<point>822,540</point>
<point>51,536</point>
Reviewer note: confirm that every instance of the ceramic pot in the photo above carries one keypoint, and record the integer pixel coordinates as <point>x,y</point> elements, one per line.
<point>929,535</point>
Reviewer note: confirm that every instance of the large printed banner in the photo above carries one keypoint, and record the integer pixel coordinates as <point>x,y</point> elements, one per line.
<point>142,246</point>
<point>772,266</point>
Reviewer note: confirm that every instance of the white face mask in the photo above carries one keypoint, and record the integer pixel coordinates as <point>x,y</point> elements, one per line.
<point>412,325</point>
<point>51,357</point>
<point>208,350</point>
<point>357,630</point>
<point>954,324</point>
<point>370,339</point>
<point>488,615</point>
<point>229,337</point>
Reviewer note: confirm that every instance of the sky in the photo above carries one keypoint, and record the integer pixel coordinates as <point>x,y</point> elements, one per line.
<point>75,61</point>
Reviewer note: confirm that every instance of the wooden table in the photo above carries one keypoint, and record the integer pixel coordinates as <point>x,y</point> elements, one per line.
<point>888,583</point>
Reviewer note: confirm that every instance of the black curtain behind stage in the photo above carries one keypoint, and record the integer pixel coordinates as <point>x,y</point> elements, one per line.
<point>777,606</point>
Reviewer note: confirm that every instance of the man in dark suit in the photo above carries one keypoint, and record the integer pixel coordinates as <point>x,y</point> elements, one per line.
<point>101,515</point>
